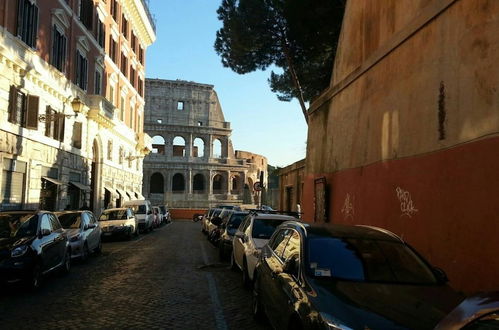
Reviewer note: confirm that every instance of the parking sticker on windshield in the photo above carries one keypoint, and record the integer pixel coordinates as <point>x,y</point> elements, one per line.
<point>323,272</point>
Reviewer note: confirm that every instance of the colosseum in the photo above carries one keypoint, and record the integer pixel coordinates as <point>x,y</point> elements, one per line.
<point>193,163</point>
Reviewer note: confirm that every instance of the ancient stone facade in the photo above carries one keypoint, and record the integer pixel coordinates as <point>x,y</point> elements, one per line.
<point>71,109</point>
<point>193,163</point>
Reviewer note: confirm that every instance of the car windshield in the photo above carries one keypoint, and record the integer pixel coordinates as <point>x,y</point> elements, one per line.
<point>18,225</point>
<point>366,260</point>
<point>235,221</point>
<point>70,220</point>
<point>138,209</point>
<point>264,228</point>
<point>113,215</point>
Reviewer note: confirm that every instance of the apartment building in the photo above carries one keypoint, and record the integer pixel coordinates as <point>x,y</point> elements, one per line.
<point>72,78</point>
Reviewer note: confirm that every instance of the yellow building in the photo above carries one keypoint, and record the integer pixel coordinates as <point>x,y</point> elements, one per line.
<point>72,102</point>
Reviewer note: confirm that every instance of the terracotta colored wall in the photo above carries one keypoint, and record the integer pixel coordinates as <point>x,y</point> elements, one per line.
<point>454,214</point>
<point>383,116</point>
<point>185,214</point>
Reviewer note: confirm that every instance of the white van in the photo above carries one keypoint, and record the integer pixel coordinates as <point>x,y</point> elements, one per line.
<point>143,212</point>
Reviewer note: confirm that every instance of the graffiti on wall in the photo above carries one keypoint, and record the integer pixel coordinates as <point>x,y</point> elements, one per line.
<point>406,204</point>
<point>348,209</point>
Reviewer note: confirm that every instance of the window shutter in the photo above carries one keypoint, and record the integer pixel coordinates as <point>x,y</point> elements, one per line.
<point>13,105</point>
<point>32,112</point>
<point>77,135</point>
<point>34,27</point>
<point>48,122</point>
<point>20,16</point>
<point>78,68</point>
<point>61,127</point>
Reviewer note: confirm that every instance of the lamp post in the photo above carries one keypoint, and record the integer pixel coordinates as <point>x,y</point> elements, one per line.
<point>76,104</point>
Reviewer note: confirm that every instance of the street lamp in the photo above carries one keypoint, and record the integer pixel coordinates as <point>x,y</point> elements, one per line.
<point>76,104</point>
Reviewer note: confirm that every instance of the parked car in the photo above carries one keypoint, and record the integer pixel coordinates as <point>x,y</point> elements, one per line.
<point>228,231</point>
<point>479,311</point>
<point>143,212</point>
<point>230,207</point>
<point>213,212</point>
<point>83,231</point>
<point>119,222</point>
<point>32,244</point>
<point>216,226</point>
<point>215,222</point>
<point>347,277</point>
<point>166,213</point>
<point>253,233</point>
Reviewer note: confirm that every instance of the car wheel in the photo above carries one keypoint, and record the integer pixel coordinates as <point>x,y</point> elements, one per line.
<point>36,277</point>
<point>136,231</point>
<point>130,234</point>
<point>66,266</point>
<point>233,265</point>
<point>84,252</point>
<point>257,308</point>
<point>245,276</point>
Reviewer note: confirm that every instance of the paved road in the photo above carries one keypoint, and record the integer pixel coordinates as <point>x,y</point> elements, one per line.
<point>168,279</point>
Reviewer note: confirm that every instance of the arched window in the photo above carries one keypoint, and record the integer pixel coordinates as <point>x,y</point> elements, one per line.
<point>198,183</point>
<point>235,183</point>
<point>158,145</point>
<point>198,148</point>
<point>217,183</point>
<point>178,147</point>
<point>217,149</point>
<point>178,183</point>
<point>156,184</point>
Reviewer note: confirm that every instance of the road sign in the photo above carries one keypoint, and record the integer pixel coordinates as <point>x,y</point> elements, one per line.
<point>257,186</point>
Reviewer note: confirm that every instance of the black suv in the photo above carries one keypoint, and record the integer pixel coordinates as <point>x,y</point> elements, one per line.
<point>347,277</point>
<point>32,244</point>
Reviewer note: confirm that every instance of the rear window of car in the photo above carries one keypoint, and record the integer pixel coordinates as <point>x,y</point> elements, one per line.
<point>264,228</point>
<point>235,220</point>
<point>366,260</point>
<point>18,225</point>
<point>138,209</point>
<point>70,220</point>
<point>113,215</point>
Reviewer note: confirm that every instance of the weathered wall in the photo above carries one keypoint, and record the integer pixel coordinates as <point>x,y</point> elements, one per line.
<point>412,125</point>
<point>291,186</point>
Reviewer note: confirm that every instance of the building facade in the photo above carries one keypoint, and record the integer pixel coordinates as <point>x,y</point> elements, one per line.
<point>412,126</point>
<point>193,163</point>
<point>72,102</point>
<point>291,180</point>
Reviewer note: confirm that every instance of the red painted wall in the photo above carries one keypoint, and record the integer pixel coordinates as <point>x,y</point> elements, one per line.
<point>455,226</point>
<point>185,214</point>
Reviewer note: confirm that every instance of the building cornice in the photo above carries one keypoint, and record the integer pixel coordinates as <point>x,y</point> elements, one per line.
<point>138,17</point>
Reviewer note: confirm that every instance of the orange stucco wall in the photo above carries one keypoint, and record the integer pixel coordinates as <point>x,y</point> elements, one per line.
<point>185,214</point>
<point>401,80</point>
<point>454,212</point>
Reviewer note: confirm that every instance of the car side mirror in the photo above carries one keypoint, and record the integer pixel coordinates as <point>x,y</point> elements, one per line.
<point>44,232</point>
<point>90,226</point>
<point>440,275</point>
<point>216,221</point>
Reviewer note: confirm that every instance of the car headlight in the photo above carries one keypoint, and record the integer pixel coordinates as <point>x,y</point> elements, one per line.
<point>332,323</point>
<point>19,251</point>
<point>74,238</point>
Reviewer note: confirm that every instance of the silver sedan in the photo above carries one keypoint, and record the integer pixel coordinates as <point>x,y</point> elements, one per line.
<point>83,231</point>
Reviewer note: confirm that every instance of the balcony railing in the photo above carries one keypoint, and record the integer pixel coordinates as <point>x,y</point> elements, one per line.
<point>145,3</point>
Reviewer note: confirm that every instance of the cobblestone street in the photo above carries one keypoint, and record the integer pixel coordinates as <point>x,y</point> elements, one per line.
<point>169,279</point>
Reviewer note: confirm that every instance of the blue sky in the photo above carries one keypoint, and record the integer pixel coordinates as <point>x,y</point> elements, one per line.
<point>184,50</point>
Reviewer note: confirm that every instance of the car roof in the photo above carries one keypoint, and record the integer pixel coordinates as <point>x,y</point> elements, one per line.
<point>346,231</point>
<point>270,216</point>
<point>70,211</point>
<point>116,209</point>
